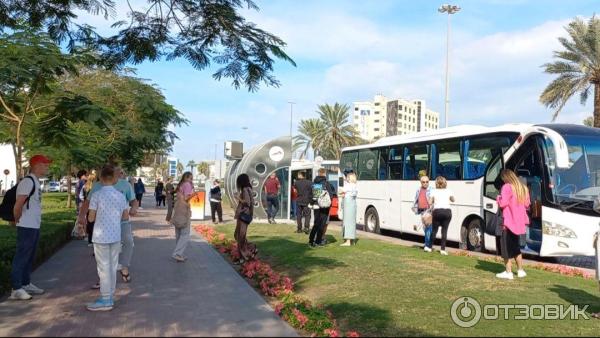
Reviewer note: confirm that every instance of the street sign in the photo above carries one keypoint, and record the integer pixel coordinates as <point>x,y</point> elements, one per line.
<point>6,171</point>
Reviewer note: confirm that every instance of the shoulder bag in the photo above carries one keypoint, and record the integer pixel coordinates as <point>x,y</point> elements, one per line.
<point>494,224</point>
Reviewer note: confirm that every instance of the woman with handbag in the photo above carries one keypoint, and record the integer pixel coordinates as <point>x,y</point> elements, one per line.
<point>243,214</point>
<point>514,201</point>
<point>349,192</point>
<point>182,214</point>
<point>421,207</point>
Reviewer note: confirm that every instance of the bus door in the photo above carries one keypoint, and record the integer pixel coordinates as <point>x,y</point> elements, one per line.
<point>491,190</point>
<point>528,163</point>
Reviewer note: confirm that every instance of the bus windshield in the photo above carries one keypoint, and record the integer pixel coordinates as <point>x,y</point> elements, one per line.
<point>581,180</point>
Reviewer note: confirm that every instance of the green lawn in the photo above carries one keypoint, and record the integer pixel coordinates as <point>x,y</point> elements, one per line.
<point>57,223</point>
<point>382,289</point>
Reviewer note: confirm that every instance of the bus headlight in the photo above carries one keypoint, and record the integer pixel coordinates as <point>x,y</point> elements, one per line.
<point>554,229</point>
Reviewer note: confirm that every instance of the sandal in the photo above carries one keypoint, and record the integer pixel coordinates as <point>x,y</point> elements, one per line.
<point>125,277</point>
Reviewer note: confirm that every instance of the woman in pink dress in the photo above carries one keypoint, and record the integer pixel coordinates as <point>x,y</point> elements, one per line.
<point>514,201</point>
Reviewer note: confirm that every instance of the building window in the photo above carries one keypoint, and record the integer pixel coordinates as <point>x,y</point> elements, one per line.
<point>376,103</point>
<point>355,108</point>
<point>376,121</point>
<point>376,129</point>
<point>377,112</point>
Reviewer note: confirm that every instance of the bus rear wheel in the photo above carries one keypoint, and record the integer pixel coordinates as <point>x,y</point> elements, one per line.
<point>474,236</point>
<point>372,221</point>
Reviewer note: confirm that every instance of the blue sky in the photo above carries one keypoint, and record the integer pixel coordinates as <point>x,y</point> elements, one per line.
<point>351,50</point>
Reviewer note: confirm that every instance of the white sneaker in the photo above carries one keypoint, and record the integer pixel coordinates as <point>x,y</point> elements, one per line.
<point>443,253</point>
<point>505,275</point>
<point>426,249</point>
<point>32,289</point>
<point>521,274</point>
<point>19,295</point>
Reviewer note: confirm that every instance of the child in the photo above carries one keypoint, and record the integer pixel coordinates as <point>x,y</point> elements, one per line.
<point>107,208</point>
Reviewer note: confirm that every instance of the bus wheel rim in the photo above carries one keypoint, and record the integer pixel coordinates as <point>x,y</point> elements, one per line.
<point>474,237</point>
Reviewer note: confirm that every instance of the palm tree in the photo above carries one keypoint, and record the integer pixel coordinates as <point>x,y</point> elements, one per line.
<point>203,168</point>
<point>338,132</point>
<point>180,168</point>
<point>309,135</point>
<point>192,165</point>
<point>578,68</point>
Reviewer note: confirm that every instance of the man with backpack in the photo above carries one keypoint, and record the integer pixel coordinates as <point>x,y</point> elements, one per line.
<point>322,194</point>
<point>27,215</point>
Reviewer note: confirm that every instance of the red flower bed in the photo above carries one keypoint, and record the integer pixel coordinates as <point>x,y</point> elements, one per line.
<point>297,311</point>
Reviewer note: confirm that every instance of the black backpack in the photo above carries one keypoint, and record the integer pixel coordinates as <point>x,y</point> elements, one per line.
<point>10,198</point>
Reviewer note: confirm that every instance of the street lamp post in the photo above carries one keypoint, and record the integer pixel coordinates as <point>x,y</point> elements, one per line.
<point>291,122</point>
<point>449,9</point>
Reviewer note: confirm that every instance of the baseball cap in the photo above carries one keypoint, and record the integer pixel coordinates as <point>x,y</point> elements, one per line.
<point>37,159</point>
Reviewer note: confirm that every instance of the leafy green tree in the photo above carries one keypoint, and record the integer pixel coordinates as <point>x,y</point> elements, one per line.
<point>204,32</point>
<point>180,168</point>
<point>577,68</point>
<point>137,121</point>
<point>30,68</point>
<point>589,121</point>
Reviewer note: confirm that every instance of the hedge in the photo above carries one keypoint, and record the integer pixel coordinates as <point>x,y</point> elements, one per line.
<point>57,223</point>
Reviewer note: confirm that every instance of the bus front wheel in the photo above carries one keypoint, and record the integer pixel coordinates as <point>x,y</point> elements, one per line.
<point>372,221</point>
<point>474,236</point>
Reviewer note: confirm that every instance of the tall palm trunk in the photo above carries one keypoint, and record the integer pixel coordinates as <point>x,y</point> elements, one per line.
<point>597,104</point>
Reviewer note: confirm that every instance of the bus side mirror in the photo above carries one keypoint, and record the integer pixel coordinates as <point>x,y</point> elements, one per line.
<point>597,205</point>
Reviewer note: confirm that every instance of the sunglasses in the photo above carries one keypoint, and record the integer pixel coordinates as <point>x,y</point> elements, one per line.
<point>424,181</point>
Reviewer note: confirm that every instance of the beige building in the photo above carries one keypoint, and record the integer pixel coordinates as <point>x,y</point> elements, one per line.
<point>370,117</point>
<point>384,117</point>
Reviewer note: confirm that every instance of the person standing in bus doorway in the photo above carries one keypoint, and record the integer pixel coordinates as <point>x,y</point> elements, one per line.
<point>421,207</point>
<point>441,213</point>
<point>514,201</point>
<point>304,188</point>
<point>272,187</point>
<point>349,194</point>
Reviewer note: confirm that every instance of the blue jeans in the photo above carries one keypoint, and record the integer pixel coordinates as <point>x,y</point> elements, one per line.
<point>428,230</point>
<point>272,205</point>
<point>27,241</point>
<point>294,209</point>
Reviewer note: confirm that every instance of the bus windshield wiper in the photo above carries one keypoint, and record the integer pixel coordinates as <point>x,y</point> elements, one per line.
<point>565,207</point>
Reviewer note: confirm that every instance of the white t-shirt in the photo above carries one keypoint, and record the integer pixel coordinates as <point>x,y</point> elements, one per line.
<point>109,204</point>
<point>32,216</point>
<point>441,198</point>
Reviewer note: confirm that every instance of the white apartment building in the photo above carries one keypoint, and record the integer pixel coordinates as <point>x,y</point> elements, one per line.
<point>370,117</point>
<point>384,117</point>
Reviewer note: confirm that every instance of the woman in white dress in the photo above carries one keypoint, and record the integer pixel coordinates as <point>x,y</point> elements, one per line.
<point>349,193</point>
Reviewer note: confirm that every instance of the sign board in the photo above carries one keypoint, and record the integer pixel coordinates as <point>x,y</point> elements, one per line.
<point>198,205</point>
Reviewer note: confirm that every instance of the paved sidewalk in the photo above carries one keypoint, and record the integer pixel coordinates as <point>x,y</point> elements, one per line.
<point>202,297</point>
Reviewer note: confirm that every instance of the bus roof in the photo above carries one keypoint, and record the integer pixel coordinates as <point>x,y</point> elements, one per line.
<point>451,132</point>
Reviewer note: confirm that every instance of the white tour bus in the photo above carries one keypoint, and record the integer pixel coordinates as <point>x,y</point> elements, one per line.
<point>561,164</point>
